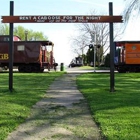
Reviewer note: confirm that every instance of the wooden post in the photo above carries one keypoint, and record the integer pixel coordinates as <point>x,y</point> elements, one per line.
<point>111,49</point>
<point>11,49</point>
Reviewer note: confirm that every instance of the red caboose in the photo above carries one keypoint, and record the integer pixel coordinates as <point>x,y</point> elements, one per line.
<point>28,56</point>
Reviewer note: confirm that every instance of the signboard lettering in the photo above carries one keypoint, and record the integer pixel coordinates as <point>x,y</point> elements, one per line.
<point>60,19</point>
<point>4,56</point>
<point>25,18</point>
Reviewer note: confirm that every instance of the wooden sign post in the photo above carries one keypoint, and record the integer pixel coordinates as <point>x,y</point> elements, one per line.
<point>62,19</point>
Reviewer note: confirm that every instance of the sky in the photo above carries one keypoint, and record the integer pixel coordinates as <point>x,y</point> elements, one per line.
<point>60,33</point>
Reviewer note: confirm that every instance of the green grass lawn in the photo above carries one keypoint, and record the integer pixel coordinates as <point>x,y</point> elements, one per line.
<point>92,68</point>
<point>15,106</point>
<point>117,113</point>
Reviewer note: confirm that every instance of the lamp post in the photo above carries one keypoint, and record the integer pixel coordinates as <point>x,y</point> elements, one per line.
<point>94,54</point>
<point>26,33</point>
<point>94,57</point>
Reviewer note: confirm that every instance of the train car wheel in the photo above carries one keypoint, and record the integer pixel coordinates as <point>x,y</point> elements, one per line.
<point>121,70</point>
<point>28,68</point>
<point>21,68</point>
<point>41,70</point>
<point>35,68</point>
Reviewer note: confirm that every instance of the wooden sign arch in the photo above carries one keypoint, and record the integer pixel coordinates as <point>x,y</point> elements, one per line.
<point>61,19</point>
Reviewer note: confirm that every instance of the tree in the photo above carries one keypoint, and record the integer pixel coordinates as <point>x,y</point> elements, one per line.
<point>79,46</point>
<point>4,29</point>
<point>23,33</point>
<point>131,7</point>
<point>97,33</point>
<point>29,34</point>
<point>107,60</point>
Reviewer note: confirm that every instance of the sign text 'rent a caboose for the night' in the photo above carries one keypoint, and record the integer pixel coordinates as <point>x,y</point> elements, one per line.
<point>60,19</point>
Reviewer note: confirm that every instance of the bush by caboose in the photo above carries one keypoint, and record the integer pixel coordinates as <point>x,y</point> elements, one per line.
<point>28,56</point>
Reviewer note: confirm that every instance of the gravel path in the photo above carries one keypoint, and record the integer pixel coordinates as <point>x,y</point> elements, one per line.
<point>62,115</point>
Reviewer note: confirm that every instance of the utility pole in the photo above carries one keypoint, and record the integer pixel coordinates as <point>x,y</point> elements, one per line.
<point>93,37</point>
<point>94,57</point>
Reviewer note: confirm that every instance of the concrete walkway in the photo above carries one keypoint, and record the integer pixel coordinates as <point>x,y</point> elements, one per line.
<point>62,115</point>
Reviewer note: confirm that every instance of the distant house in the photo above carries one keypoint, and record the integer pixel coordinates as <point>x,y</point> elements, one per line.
<point>16,38</point>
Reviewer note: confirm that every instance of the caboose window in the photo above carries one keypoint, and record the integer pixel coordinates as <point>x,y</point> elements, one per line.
<point>20,47</point>
<point>6,39</point>
<point>43,47</point>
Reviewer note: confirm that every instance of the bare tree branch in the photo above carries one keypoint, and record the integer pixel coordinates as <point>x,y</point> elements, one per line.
<point>95,32</point>
<point>131,7</point>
